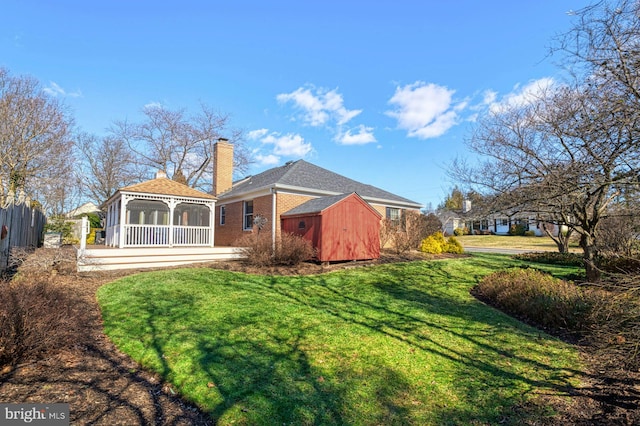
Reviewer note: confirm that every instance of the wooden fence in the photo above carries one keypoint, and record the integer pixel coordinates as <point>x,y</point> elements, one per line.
<point>20,226</point>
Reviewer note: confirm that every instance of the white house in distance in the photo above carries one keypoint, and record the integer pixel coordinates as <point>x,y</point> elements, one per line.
<point>494,223</point>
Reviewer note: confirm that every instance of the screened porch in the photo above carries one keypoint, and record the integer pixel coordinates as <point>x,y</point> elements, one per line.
<point>155,220</point>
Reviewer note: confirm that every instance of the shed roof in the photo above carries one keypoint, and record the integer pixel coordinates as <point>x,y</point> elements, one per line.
<point>303,174</point>
<point>317,205</point>
<point>164,186</point>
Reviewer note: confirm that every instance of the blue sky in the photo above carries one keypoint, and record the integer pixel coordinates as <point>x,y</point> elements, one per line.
<point>384,92</point>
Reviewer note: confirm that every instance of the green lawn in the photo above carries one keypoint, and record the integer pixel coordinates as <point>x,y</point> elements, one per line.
<point>390,344</point>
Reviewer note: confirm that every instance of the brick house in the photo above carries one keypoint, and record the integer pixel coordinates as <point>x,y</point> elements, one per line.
<point>280,189</point>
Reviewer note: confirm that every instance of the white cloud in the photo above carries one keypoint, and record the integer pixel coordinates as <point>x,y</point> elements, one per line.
<point>153,105</point>
<point>425,110</point>
<point>291,145</point>
<point>489,97</point>
<point>522,95</point>
<point>363,136</point>
<point>267,160</point>
<point>257,134</point>
<point>319,106</point>
<point>54,89</point>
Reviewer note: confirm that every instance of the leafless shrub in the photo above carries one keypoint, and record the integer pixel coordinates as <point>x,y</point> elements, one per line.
<point>407,233</point>
<point>615,321</point>
<point>538,298</point>
<point>387,229</point>
<point>607,317</point>
<point>617,236</point>
<point>289,249</point>
<point>36,319</point>
<point>29,262</point>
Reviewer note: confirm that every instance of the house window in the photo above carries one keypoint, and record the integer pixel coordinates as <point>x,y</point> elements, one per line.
<point>223,215</point>
<point>302,225</point>
<point>248,215</point>
<point>505,222</point>
<point>393,215</point>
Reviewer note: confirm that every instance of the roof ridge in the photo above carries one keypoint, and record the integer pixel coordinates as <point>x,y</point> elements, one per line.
<point>290,166</point>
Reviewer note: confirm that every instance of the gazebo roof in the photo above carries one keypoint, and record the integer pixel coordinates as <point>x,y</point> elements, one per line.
<point>164,186</point>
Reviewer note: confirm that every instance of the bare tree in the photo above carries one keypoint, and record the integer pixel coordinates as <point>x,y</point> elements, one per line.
<point>564,157</point>
<point>179,144</point>
<point>105,166</point>
<point>36,154</point>
<point>605,43</point>
<point>571,153</point>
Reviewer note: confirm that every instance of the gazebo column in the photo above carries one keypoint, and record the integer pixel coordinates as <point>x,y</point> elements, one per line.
<point>212,219</point>
<point>172,206</point>
<point>124,200</point>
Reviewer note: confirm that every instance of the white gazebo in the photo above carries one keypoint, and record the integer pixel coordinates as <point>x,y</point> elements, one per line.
<point>160,213</point>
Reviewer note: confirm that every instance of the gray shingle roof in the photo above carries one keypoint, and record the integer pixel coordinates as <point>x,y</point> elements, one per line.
<point>306,175</point>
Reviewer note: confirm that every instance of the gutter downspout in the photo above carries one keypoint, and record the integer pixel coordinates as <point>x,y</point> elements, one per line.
<point>273,218</point>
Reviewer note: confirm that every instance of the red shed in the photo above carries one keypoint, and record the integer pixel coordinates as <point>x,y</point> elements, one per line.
<point>341,227</point>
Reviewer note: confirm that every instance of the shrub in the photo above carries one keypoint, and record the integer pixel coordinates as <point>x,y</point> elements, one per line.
<point>36,319</point>
<point>59,224</point>
<point>91,236</point>
<point>552,257</point>
<point>615,326</point>
<point>609,320</point>
<point>453,246</point>
<point>433,244</point>
<point>289,250</point>
<point>408,232</point>
<point>620,265</point>
<point>461,231</point>
<point>529,233</point>
<point>293,249</point>
<point>436,244</point>
<point>517,230</point>
<point>538,298</point>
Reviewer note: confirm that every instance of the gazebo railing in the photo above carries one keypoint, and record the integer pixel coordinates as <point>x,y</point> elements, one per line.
<point>146,235</point>
<point>158,235</point>
<point>191,236</point>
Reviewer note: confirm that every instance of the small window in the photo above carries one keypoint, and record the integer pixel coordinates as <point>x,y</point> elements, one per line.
<point>393,215</point>
<point>505,222</point>
<point>223,215</point>
<point>302,225</point>
<point>248,215</point>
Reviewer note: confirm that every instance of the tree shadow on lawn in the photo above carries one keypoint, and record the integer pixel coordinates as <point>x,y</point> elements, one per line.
<point>402,323</point>
<point>262,374</point>
<point>267,366</point>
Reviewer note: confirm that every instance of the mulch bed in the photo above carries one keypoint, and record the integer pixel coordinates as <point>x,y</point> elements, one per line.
<point>105,387</point>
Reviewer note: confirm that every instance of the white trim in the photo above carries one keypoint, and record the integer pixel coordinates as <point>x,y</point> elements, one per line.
<point>244,214</point>
<point>273,217</point>
<point>310,192</point>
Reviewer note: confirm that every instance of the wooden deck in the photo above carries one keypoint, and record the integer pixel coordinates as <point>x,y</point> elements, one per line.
<point>103,258</point>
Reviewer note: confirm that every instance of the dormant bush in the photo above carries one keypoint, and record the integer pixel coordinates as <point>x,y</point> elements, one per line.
<point>36,319</point>
<point>289,249</point>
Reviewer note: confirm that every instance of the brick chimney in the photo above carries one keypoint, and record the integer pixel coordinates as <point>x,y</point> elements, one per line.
<point>222,166</point>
